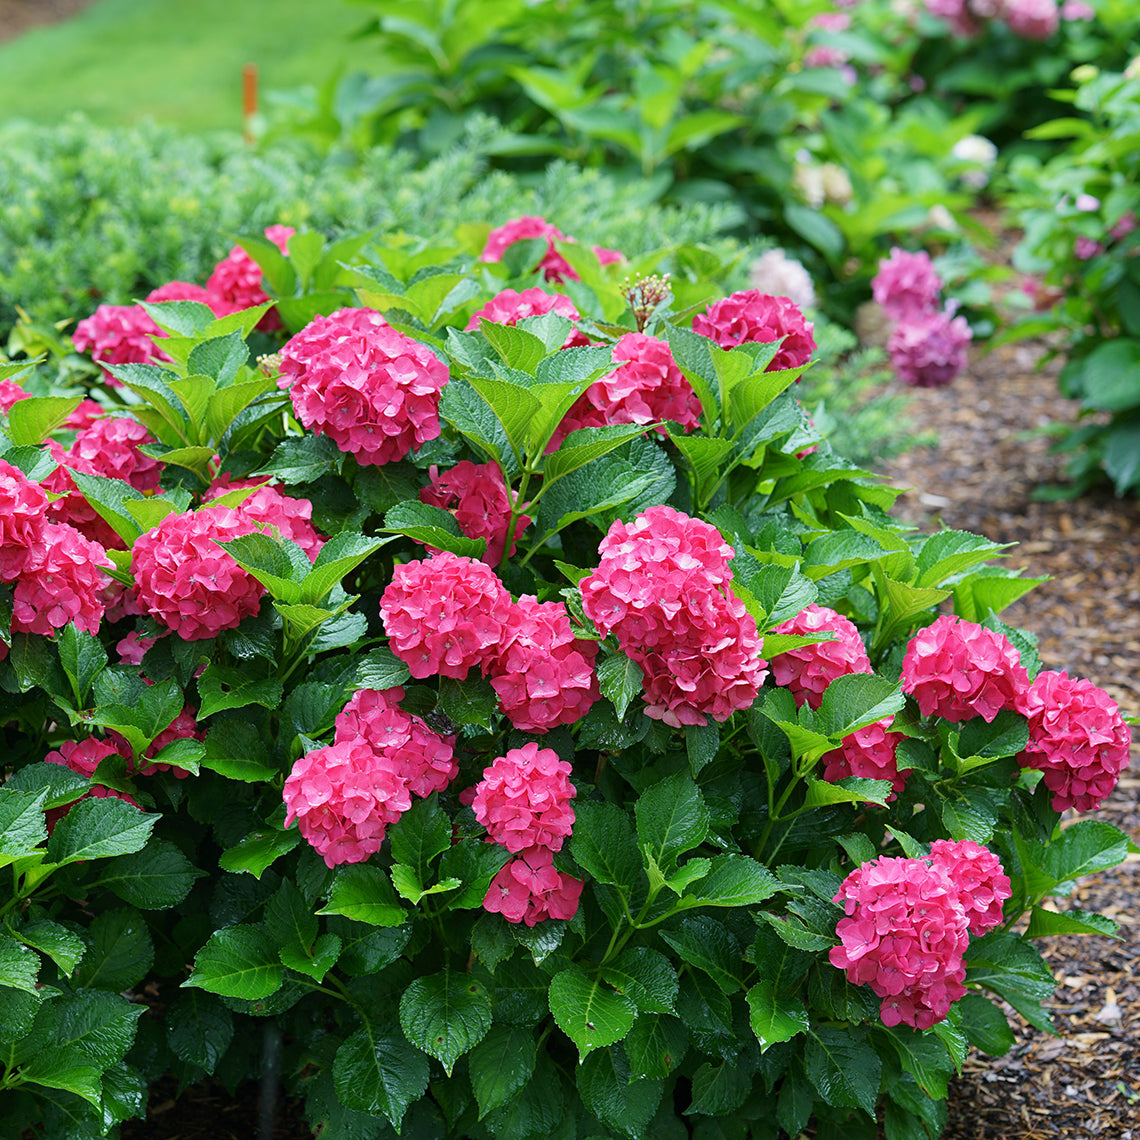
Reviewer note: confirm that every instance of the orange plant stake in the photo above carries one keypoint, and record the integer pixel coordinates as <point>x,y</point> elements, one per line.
<point>249,99</point>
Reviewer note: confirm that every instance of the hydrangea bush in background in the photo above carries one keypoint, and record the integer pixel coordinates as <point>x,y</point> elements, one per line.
<point>502,698</point>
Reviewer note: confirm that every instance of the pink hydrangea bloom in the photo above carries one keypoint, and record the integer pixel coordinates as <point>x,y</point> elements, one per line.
<point>343,797</point>
<point>808,671</point>
<point>661,587</point>
<point>133,648</point>
<point>607,256</point>
<point>235,282</point>
<point>184,291</point>
<point>1031,19</point>
<point>930,350</point>
<point>529,889</point>
<point>646,387</point>
<point>831,21</point>
<point>509,306</point>
<point>373,391</point>
<point>62,584</point>
<point>824,56</point>
<point>1077,10</point>
<point>957,14</point>
<point>1077,737</point>
<point>183,727</point>
<point>423,760</point>
<point>904,935</point>
<point>553,265</point>
<point>478,496</point>
<point>119,334</point>
<point>977,872</point>
<point>1086,248</point>
<point>82,756</point>
<point>524,799</point>
<point>23,517</point>
<point>1124,225</point>
<point>444,614</point>
<point>543,675</point>
<point>84,415</point>
<point>754,316</point>
<point>274,510</point>
<point>958,669</point>
<point>11,393</point>
<point>907,284</point>
<point>187,581</point>
<point>871,753</point>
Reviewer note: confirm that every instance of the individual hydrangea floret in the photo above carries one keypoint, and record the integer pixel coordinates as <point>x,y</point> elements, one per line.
<point>543,675</point>
<point>509,306</point>
<point>907,284</point>
<point>760,317</point>
<point>529,889</point>
<point>904,935</point>
<point>444,614</point>
<point>62,584</point>
<point>524,799</point>
<point>958,669</point>
<point>1077,737</point>
<point>977,872</point>
<point>270,507</point>
<point>777,273</point>
<point>23,517</point>
<point>421,758</point>
<point>930,350</point>
<point>372,390</point>
<point>645,388</point>
<point>187,581</point>
<point>808,671</point>
<point>343,797</point>
<point>235,283</point>
<point>870,752</point>
<point>479,498</point>
<point>119,334</point>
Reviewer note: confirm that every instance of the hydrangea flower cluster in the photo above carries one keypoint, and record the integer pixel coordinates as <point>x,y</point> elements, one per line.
<point>83,757</point>
<point>645,388</point>
<point>808,671</point>
<point>509,306</point>
<point>908,924</point>
<point>776,272</point>
<point>754,316</point>
<point>186,291</point>
<point>23,516</point>
<point>958,669</point>
<point>373,391</point>
<point>479,498</point>
<point>119,334</point>
<point>183,727</point>
<point>345,795</point>
<point>523,801</point>
<point>447,614</point>
<point>185,580</point>
<point>870,752</point>
<point>662,588</point>
<point>543,674</point>
<point>553,265</point>
<point>1029,19</point>
<point>270,507</point>
<point>12,393</point>
<point>927,345</point>
<point>61,583</point>
<point>1077,737</point>
<point>235,282</point>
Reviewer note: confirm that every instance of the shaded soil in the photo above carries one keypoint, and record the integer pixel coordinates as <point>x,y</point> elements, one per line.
<point>17,16</point>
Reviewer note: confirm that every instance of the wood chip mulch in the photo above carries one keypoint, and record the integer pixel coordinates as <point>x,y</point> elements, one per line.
<point>981,477</point>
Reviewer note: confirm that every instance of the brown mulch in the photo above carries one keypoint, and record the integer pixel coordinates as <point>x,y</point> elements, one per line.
<point>17,16</point>
<point>981,477</point>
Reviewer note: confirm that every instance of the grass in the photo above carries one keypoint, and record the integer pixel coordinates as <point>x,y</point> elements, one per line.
<point>175,61</point>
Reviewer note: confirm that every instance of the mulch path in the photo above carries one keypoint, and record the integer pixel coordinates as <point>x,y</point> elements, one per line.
<point>17,16</point>
<point>981,476</point>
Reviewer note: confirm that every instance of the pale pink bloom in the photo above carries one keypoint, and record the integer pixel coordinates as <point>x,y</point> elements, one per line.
<point>1032,19</point>
<point>1077,10</point>
<point>957,14</point>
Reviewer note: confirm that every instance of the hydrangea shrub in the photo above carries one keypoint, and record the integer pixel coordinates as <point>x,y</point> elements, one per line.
<point>517,779</point>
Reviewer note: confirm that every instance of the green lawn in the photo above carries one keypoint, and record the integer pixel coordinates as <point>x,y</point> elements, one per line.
<point>176,61</point>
